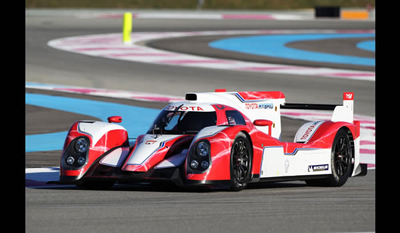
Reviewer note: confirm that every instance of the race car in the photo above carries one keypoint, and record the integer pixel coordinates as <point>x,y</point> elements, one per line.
<point>218,140</point>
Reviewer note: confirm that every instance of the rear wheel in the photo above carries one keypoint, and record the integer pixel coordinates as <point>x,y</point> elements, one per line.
<point>241,160</point>
<point>341,161</point>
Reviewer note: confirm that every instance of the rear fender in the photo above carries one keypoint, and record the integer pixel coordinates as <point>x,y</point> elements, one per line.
<point>325,134</point>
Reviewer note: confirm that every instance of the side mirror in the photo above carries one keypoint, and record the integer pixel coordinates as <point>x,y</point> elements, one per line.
<point>262,122</point>
<point>114,119</point>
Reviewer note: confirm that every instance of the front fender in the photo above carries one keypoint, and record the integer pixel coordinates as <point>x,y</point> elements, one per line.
<point>102,137</point>
<point>221,140</point>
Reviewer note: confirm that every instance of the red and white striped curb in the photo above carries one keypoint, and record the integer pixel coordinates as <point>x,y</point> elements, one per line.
<point>37,177</point>
<point>200,15</point>
<point>111,46</point>
<point>143,96</point>
<point>367,124</point>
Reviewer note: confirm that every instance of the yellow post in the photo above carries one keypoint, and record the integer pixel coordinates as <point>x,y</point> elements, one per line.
<point>127,28</point>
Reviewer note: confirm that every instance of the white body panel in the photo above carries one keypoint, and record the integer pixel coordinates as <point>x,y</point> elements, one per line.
<point>116,157</point>
<point>357,167</point>
<point>208,131</point>
<point>148,145</point>
<point>306,131</point>
<point>97,129</point>
<point>275,163</point>
<point>173,161</point>
<point>268,109</point>
<point>345,112</point>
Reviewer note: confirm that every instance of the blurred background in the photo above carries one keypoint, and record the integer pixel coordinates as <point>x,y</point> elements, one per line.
<point>195,4</point>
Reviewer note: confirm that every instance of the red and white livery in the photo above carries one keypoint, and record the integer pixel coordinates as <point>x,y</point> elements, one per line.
<point>217,139</point>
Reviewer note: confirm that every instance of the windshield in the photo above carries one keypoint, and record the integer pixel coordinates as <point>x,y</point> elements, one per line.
<point>179,122</point>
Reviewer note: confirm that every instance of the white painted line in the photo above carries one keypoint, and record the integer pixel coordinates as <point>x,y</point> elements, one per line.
<point>203,15</point>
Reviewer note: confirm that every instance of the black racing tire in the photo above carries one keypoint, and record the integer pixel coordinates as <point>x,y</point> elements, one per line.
<point>240,162</point>
<point>341,161</point>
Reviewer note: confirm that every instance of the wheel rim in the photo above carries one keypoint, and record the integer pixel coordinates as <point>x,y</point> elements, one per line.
<point>240,160</point>
<point>342,156</point>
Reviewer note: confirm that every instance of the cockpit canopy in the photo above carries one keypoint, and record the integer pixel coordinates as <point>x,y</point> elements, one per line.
<point>179,122</point>
<point>187,118</point>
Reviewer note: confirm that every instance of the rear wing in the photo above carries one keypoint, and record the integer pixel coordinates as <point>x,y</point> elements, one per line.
<point>343,112</point>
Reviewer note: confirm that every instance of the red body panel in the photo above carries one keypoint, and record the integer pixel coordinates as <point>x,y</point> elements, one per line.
<point>108,141</point>
<point>259,95</point>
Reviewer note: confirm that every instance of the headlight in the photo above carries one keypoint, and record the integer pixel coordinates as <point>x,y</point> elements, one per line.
<point>194,164</point>
<point>81,145</point>
<point>204,164</point>
<point>202,149</point>
<point>76,155</point>
<point>81,160</point>
<point>70,160</point>
<point>199,157</point>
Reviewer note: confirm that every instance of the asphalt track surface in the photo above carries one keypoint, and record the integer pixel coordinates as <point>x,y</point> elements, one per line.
<point>277,207</point>
<point>47,65</point>
<point>199,45</point>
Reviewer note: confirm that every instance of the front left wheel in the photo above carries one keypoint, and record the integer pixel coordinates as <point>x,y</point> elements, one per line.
<point>241,160</point>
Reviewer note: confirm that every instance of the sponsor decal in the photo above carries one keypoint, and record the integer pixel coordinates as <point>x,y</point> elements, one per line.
<point>287,164</point>
<point>251,106</point>
<point>149,142</point>
<point>348,96</point>
<point>184,108</point>
<point>259,106</point>
<point>318,168</point>
<point>310,130</point>
<point>266,106</point>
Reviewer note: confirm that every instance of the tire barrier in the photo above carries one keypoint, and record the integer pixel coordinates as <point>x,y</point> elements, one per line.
<point>327,11</point>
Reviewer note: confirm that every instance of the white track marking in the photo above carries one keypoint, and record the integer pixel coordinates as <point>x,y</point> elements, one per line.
<point>111,46</point>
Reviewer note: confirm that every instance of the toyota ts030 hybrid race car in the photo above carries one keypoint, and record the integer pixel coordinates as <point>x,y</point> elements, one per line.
<point>217,139</point>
